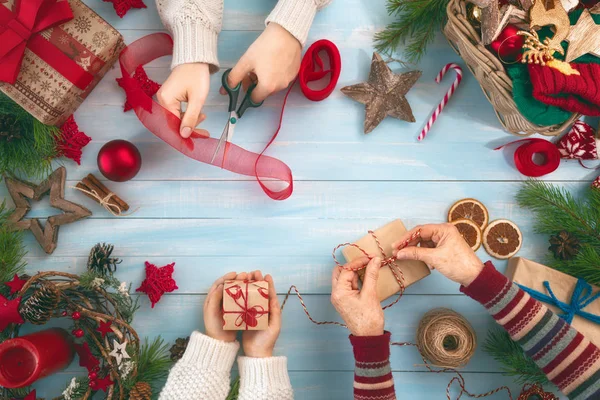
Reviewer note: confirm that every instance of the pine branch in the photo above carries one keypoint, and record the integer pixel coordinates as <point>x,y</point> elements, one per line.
<point>516,363</point>
<point>153,365</point>
<point>416,26</point>
<point>12,250</point>
<point>585,265</point>
<point>234,392</point>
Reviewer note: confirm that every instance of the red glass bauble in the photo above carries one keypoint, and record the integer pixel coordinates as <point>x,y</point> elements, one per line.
<point>76,315</point>
<point>78,333</point>
<point>508,45</point>
<point>119,160</point>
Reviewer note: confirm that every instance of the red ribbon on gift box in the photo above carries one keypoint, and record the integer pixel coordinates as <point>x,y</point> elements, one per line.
<point>20,30</point>
<point>246,315</point>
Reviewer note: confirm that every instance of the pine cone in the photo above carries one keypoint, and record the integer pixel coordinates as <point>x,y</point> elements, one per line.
<point>178,348</point>
<point>100,260</point>
<point>141,391</point>
<point>40,306</point>
<point>564,246</point>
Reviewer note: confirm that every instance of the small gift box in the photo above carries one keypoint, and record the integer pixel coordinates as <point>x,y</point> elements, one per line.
<point>573,299</point>
<point>387,284</point>
<point>52,54</point>
<point>245,305</point>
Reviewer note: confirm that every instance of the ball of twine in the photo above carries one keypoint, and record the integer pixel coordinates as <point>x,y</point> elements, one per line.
<point>446,338</point>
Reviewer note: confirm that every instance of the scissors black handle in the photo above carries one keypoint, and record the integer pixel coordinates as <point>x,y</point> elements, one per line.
<point>234,95</point>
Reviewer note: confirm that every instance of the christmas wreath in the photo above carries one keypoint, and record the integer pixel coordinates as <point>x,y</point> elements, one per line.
<point>100,311</point>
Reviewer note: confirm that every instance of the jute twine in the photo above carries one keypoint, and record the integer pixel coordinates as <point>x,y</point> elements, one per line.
<point>446,338</point>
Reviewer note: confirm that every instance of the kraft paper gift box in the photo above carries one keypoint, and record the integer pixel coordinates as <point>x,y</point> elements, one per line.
<point>245,305</point>
<point>532,275</point>
<point>387,285</point>
<point>57,68</point>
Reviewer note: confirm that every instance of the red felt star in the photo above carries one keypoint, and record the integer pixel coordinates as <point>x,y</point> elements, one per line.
<point>86,358</point>
<point>9,312</point>
<point>146,84</point>
<point>158,281</point>
<point>103,383</point>
<point>122,6</point>
<point>71,141</point>
<point>16,284</point>
<point>105,328</point>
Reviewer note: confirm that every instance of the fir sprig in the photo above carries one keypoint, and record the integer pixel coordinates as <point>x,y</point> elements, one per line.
<point>12,250</point>
<point>515,362</point>
<point>234,391</point>
<point>153,364</point>
<point>416,25</point>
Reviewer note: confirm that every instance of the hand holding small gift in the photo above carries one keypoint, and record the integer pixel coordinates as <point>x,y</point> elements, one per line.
<point>213,309</point>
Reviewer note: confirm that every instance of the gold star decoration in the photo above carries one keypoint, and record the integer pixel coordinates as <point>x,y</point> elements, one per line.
<point>383,94</point>
<point>583,38</point>
<point>47,236</point>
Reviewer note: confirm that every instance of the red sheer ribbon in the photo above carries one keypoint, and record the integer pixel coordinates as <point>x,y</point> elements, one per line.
<point>19,30</point>
<point>312,69</point>
<point>166,125</point>
<point>524,156</point>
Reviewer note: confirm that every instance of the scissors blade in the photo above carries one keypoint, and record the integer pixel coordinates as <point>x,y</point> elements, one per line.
<point>224,136</point>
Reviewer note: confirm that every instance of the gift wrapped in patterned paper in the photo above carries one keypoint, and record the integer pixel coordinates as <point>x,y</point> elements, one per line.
<point>245,305</point>
<point>52,55</point>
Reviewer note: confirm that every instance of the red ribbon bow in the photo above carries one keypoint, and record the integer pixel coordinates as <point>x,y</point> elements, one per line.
<point>246,315</point>
<point>20,30</point>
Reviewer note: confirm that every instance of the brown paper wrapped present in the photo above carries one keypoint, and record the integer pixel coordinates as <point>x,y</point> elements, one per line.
<point>387,285</point>
<point>533,276</point>
<point>51,67</point>
<point>245,305</point>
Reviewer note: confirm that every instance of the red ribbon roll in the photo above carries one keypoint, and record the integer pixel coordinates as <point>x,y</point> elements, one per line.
<point>525,152</point>
<point>311,69</point>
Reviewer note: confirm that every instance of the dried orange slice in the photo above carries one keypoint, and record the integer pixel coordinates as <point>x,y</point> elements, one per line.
<point>502,239</point>
<point>470,232</point>
<point>469,209</point>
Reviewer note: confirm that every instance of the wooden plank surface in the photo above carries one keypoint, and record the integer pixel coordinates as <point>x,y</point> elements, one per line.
<point>209,221</point>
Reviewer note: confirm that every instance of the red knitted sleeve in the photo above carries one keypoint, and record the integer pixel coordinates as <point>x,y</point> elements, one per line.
<point>373,378</point>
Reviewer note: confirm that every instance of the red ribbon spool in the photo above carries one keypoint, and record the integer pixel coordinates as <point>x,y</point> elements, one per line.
<point>524,156</point>
<point>311,69</point>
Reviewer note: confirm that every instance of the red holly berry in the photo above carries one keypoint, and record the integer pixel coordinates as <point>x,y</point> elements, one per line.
<point>76,315</point>
<point>93,384</point>
<point>92,376</point>
<point>77,333</point>
<point>64,313</point>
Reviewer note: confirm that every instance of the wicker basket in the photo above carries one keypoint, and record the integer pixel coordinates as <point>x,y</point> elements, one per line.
<point>492,77</point>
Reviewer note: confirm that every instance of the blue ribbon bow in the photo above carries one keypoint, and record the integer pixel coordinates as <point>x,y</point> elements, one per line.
<point>582,297</point>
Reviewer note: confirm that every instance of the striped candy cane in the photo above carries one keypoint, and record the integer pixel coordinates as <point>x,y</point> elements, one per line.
<point>447,96</point>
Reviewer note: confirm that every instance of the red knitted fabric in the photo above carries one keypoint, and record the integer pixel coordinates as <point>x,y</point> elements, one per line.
<point>575,93</point>
<point>373,378</point>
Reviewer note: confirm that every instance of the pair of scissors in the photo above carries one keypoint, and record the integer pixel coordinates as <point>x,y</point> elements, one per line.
<point>234,115</point>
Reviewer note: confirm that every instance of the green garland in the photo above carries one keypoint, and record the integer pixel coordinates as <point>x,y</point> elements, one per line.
<point>417,24</point>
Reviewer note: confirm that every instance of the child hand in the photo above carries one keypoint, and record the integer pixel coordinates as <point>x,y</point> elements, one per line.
<point>260,344</point>
<point>213,309</point>
<point>442,248</point>
<point>187,83</point>
<point>275,60</point>
<point>360,310</point>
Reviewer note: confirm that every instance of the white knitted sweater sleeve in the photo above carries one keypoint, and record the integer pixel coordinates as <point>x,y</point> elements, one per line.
<point>195,26</point>
<point>264,379</point>
<point>203,372</point>
<point>296,16</point>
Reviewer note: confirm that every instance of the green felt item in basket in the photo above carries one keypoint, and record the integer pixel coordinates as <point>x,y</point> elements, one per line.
<point>536,111</point>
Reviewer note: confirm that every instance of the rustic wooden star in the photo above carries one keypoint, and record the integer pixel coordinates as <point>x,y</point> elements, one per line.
<point>383,94</point>
<point>16,284</point>
<point>584,37</point>
<point>119,351</point>
<point>9,312</point>
<point>46,236</point>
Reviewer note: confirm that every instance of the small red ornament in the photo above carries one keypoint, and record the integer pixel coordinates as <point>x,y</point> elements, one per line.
<point>76,315</point>
<point>508,45</point>
<point>158,281</point>
<point>71,141</point>
<point>9,312</point>
<point>16,284</point>
<point>103,383</point>
<point>64,313</point>
<point>86,358</point>
<point>105,328</point>
<point>147,85</point>
<point>122,6</point>
<point>92,375</point>
<point>119,160</point>
<point>78,333</point>
<point>93,384</point>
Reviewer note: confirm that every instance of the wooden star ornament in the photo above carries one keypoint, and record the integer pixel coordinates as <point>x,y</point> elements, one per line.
<point>584,37</point>
<point>383,94</point>
<point>47,236</point>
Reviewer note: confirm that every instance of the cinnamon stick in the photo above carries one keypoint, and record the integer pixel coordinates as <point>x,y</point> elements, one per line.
<point>120,202</point>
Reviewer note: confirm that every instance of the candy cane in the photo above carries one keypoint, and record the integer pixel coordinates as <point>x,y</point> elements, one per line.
<point>447,96</point>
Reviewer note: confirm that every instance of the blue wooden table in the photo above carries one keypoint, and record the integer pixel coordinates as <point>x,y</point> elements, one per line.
<point>209,221</point>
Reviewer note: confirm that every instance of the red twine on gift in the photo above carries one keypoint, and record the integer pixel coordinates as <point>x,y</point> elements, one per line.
<point>71,141</point>
<point>247,316</point>
<point>20,30</point>
<point>524,156</point>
